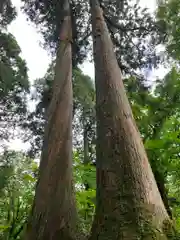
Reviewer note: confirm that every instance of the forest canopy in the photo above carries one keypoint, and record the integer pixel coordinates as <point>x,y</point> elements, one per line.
<point>103,161</point>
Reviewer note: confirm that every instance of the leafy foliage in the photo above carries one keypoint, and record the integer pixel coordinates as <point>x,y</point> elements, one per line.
<point>7,13</point>
<point>168,14</point>
<point>17,174</point>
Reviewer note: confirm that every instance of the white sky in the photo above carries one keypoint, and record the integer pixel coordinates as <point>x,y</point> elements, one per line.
<point>37,58</point>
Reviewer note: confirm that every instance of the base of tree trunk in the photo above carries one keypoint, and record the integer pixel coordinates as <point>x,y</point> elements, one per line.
<point>141,223</point>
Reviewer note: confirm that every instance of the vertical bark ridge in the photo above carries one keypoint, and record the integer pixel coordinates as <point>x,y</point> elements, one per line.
<point>126,189</point>
<point>54,213</point>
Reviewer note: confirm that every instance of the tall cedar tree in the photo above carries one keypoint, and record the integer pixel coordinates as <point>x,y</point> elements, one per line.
<point>54,211</point>
<point>127,194</point>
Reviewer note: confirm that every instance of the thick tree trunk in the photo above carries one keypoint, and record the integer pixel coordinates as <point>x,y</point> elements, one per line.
<point>54,213</point>
<point>129,204</point>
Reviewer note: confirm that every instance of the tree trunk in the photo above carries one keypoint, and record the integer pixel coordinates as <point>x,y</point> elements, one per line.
<point>86,153</point>
<point>160,177</point>
<point>54,213</point>
<point>160,180</point>
<point>85,138</point>
<point>129,204</point>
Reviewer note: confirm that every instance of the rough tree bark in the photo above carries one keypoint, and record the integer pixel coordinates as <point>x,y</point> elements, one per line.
<point>129,204</point>
<point>54,213</point>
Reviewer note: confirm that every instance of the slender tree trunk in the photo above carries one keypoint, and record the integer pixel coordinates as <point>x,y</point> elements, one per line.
<point>86,160</point>
<point>85,138</point>
<point>86,145</point>
<point>54,213</point>
<point>160,178</point>
<point>86,153</point>
<point>129,204</point>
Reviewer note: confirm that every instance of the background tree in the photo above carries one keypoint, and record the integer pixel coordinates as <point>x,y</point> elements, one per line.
<point>168,15</point>
<point>14,83</point>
